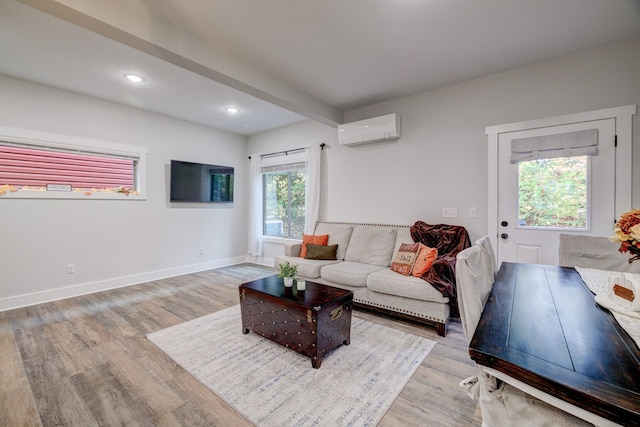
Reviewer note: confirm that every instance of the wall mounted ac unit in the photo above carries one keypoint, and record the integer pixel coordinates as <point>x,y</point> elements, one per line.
<point>381,128</point>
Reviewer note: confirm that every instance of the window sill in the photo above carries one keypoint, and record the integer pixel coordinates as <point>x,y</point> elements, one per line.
<point>280,240</point>
<point>70,195</point>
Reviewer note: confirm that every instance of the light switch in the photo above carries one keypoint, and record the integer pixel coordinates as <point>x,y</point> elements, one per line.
<point>450,212</point>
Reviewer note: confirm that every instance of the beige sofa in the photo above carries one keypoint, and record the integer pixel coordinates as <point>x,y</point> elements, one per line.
<point>364,254</point>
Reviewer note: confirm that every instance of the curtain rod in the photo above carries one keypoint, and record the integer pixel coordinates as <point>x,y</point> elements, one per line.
<point>286,153</point>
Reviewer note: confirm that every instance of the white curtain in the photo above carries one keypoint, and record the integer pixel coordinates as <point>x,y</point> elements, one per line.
<point>312,188</point>
<point>255,206</point>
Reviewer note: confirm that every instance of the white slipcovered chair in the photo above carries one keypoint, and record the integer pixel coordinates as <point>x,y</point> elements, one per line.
<point>501,404</point>
<point>593,252</point>
<point>485,244</point>
<point>474,278</point>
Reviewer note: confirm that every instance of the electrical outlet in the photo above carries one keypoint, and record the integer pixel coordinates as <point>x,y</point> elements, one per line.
<point>449,212</point>
<point>473,213</point>
<point>71,268</point>
<point>201,250</point>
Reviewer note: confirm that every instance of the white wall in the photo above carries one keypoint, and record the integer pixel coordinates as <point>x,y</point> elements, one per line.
<point>441,159</point>
<point>114,243</point>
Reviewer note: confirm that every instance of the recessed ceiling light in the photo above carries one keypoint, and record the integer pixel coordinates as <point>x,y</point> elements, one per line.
<point>232,110</point>
<point>134,78</point>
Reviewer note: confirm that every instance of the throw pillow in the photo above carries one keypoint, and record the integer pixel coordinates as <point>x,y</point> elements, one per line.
<point>322,239</point>
<point>405,258</point>
<point>321,251</point>
<point>424,261</point>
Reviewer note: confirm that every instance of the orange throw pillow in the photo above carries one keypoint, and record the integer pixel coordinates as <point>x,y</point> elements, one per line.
<point>321,240</point>
<point>424,261</point>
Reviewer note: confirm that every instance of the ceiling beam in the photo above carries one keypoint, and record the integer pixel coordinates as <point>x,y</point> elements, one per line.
<point>131,23</point>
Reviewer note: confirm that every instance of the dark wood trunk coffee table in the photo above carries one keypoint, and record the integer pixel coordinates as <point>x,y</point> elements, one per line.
<point>312,322</point>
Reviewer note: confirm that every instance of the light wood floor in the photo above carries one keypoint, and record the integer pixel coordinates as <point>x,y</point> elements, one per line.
<point>86,361</point>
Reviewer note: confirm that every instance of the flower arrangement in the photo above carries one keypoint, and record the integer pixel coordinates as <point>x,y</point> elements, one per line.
<point>7,187</point>
<point>122,190</point>
<point>287,270</point>
<point>627,233</point>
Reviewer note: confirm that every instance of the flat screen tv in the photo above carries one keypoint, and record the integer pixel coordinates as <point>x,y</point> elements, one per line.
<point>201,183</point>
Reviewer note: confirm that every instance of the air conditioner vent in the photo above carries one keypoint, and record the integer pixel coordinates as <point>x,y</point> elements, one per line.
<point>381,128</point>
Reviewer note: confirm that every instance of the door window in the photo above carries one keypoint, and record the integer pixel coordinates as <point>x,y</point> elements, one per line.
<point>554,193</point>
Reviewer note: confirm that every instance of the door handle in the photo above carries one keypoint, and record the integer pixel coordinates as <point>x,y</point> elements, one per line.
<point>505,236</point>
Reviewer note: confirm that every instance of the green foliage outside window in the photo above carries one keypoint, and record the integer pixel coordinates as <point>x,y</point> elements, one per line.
<point>284,209</point>
<point>553,192</point>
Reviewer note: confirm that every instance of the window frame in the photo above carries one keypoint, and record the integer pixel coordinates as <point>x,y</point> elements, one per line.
<point>41,140</point>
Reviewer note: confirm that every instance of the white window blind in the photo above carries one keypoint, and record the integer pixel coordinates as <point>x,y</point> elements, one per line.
<point>283,167</point>
<point>579,143</point>
<point>35,167</point>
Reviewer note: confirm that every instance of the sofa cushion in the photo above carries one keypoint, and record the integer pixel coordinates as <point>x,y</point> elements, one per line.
<point>314,239</point>
<point>405,258</point>
<point>348,273</point>
<point>326,252</point>
<point>307,268</point>
<point>292,249</point>
<point>371,245</point>
<point>389,282</point>
<point>339,234</point>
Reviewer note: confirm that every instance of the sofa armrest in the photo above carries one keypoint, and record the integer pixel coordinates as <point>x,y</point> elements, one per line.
<point>292,249</point>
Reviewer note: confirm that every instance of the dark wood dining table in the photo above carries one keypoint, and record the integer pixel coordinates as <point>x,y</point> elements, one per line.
<point>542,327</point>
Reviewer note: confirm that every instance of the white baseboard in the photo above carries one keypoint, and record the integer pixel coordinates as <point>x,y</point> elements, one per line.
<point>267,262</point>
<point>49,295</point>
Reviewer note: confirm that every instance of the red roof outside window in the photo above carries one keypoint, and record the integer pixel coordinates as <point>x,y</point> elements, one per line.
<point>35,168</point>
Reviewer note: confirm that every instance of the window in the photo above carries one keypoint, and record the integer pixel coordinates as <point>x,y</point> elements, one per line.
<point>553,193</point>
<point>36,168</point>
<point>553,184</point>
<point>284,200</point>
<point>50,169</point>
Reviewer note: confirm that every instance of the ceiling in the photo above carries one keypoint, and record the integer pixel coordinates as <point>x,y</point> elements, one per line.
<point>284,61</point>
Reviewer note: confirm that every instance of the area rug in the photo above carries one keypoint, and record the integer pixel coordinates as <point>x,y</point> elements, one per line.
<point>274,386</point>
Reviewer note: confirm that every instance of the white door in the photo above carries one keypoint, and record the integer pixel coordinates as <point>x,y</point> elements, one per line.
<point>530,217</point>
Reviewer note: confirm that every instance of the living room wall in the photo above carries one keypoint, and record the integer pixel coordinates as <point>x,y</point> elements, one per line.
<point>441,159</point>
<point>114,243</point>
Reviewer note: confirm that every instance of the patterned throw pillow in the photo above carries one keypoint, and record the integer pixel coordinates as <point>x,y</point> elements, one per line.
<point>424,261</point>
<point>322,240</point>
<point>405,258</point>
<point>321,251</point>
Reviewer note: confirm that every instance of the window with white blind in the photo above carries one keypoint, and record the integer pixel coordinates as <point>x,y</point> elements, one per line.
<point>50,169</point>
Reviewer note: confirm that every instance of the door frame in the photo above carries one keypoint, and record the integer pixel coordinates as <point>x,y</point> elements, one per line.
<point>624,162</point>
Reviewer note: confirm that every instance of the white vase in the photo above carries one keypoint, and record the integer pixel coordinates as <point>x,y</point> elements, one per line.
<point>288,281</point>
